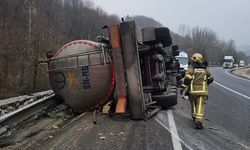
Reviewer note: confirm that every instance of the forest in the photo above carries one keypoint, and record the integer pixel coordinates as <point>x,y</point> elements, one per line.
<point>208,43</point>
<point>30,28</point>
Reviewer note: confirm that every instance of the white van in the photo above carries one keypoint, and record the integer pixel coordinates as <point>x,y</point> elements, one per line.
<point>242,63</point>
<point>183,60</point>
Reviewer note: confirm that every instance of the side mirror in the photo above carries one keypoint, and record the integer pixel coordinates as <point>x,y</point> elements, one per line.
<point>176,53</point>
<point>175,47</point>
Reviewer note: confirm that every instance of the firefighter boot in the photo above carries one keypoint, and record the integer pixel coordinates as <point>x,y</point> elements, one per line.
<point>198,125</point>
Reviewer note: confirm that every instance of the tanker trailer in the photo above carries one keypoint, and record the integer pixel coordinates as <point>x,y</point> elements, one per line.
<point>81,73</point>
<point>137,72</point>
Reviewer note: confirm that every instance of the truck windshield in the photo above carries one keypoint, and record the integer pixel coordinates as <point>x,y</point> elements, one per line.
<point>183,60</point>
<point>228,60</point>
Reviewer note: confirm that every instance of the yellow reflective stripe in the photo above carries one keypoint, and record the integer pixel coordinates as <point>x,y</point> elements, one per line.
<point>199,117</point>
<point>198,91</point>
<point>199,106</point>
<point>204,83</point>
<point>188,76</point>
<point>194,109</point>
<point>199,70</point>
<point>209,77</point>
<point>191,85</point>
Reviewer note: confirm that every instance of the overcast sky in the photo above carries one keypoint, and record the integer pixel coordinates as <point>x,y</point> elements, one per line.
<point>230,19</point>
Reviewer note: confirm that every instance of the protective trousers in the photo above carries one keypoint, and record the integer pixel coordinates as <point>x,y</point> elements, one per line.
<point>198,107</point>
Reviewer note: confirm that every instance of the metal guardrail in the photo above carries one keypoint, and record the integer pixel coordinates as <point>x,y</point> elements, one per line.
<point>12,119</point>
<point>23,98</point>
<point>6,116</point>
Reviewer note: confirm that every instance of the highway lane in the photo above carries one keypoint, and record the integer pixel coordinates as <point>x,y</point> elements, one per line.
<point>226,125</point>
<point>228,110</point>
<point>223,76</point>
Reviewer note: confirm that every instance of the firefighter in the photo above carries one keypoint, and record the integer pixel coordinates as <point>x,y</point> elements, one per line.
<point>196,81</point>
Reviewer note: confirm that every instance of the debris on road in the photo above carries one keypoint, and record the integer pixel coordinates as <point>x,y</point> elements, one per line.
<point>102,138</point>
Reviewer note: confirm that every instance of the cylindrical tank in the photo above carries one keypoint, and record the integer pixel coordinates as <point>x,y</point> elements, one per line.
<point>81,74</point>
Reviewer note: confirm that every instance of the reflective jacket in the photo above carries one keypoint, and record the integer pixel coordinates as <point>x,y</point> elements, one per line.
<point>197,79</point>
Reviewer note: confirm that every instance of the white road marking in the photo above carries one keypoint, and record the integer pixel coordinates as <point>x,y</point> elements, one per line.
<point>247,97</point>
<point>236,76</point>
<point>175,138</point>
<point>174,134</point>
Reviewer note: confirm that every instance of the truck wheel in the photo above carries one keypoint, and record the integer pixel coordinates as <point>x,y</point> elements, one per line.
<point>165,100</point>
<point>162,35</point>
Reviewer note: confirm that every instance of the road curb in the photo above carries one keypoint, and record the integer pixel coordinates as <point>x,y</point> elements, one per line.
<point>241,76</point>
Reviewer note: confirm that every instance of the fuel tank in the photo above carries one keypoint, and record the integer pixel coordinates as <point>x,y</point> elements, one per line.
<point>81,73</point>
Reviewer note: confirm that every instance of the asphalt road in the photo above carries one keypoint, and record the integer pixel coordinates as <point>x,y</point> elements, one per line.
<point>226,125</point>
<point>229,108</point>
<point>227,118</point>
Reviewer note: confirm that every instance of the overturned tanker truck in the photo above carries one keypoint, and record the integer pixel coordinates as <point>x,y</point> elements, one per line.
<point>133,68</point>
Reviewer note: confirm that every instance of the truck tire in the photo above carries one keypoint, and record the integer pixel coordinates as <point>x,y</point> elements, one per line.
<point>162,35</point>
<point>165,100</point>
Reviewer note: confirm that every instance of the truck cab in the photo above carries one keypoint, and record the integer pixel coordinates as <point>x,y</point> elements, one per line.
<point>228,62</point>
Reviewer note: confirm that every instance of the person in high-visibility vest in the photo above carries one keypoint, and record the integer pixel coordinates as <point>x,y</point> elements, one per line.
<point>196,80</point>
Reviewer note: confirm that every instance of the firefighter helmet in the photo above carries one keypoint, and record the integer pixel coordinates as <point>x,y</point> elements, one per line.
<point>197,57</point>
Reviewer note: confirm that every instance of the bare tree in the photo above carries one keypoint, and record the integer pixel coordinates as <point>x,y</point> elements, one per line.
<point>29,28</point>
<point>205,41</point>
